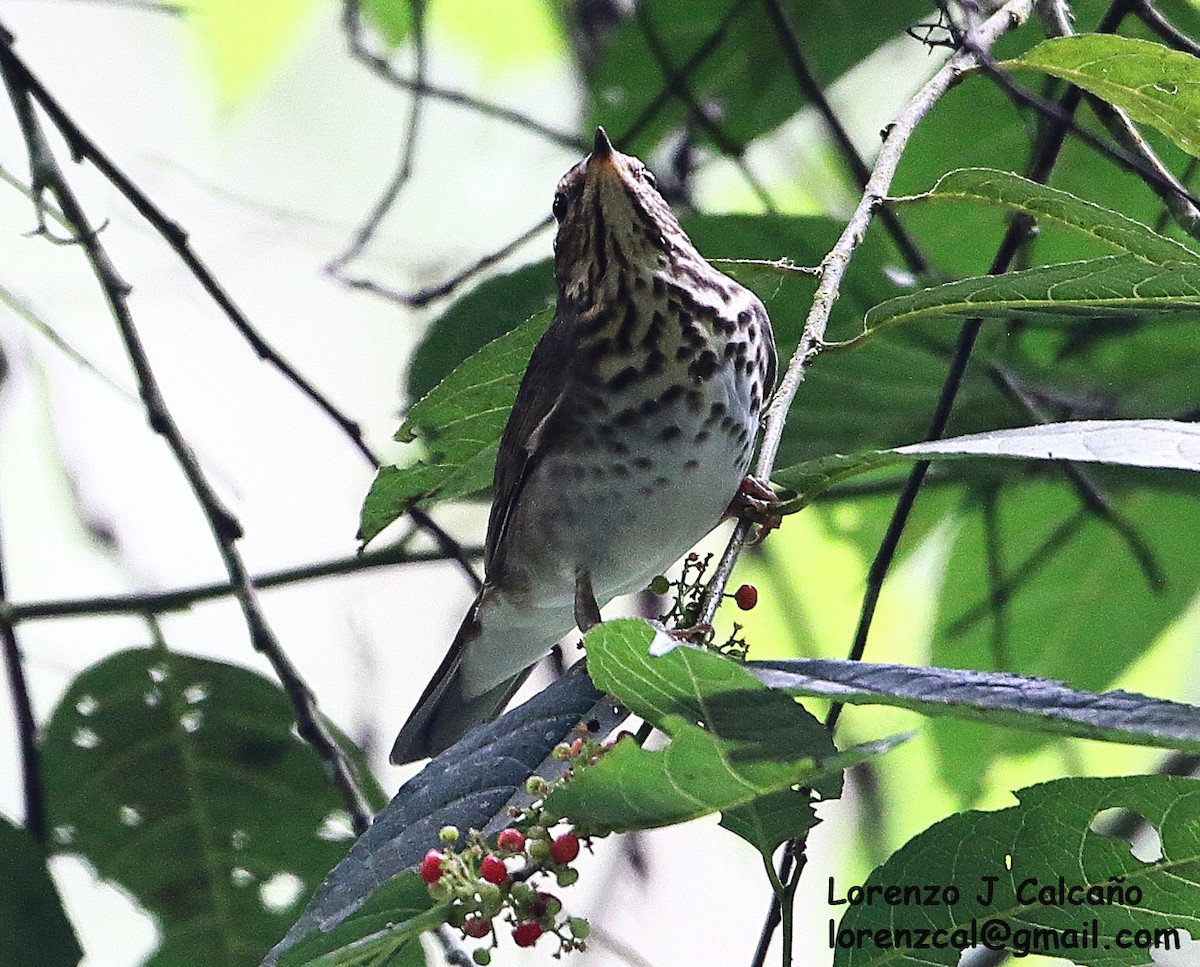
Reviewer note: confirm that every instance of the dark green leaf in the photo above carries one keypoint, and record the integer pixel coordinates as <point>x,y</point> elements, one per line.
<point>494,307</point>
<point>1016,701</point>
<point>772,820</point>
<point>388,923</point>
<point>193,763</point>
<point>1154,84</point>
<point>34,928</point>
<point>1030,847</point>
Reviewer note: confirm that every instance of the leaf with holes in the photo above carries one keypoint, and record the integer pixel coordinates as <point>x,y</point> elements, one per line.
<point>733,741</point>
<point>1054,206</point>
<point>459,421</point>
<point>194,763</point>
<point>1024,876</point>
<point>1154,84</point>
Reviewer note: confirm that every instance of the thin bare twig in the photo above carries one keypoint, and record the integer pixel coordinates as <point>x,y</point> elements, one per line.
<point>423,297</point>
<point>1153,18</point>
<point>976,47</point>
<point>833,266</point>
<point>366,231</point>
<point>47,177</point>
<point>160,602</point>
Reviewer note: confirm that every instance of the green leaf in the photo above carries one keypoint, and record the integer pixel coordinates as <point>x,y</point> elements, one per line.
<point>35,929</point>
<point>1116,286</point>
<point>386,926</point>
<point>1132,443</point>
<point>1046,840</point>
<point>1014,701</point>
<point>1050,205</point>
<point>244,43</point>
<point>193,763</point>
<point>392,18</point>
<point>460,422</point>
<point>1154,84</point>
<point>732,740</point>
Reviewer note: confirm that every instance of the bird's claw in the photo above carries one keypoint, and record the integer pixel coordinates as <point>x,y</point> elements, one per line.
<point>755,502</point>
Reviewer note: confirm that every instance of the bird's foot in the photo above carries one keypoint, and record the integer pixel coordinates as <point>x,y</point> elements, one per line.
<point>692,633</point>
<point>755,502</point>
<point>587,611</point>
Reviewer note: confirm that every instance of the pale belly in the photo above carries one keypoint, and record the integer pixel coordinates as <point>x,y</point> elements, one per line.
<point>628,509</point>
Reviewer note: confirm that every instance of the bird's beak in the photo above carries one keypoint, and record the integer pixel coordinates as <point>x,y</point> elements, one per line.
<point>602,149</point>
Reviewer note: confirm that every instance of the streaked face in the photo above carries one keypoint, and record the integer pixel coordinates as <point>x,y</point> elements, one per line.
<point>611,220</point>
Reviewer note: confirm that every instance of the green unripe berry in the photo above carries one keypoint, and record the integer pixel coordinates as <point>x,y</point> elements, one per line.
<point>448,834</point>
<point>441,890</point>
<point>522,892</point>
<point>539,849</point>
<point>482,956</point>
<point>536,786</point>
<point>580,928</point>
<point>660,585</point>
<point>491,901</point>
<point>566,877</point>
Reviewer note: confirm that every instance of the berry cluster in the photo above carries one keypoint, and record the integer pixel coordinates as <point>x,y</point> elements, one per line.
<point>484,882</point>
<point>689,594</point>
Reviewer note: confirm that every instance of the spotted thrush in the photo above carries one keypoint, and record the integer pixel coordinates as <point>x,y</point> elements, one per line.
<point>631,434</point>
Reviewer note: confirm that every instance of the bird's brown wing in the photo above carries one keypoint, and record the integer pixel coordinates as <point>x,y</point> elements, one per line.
<point>538,404</point>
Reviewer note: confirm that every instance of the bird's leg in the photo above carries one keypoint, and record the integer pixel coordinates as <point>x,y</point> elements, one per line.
<point>754,501</point>
<point>587,611</point>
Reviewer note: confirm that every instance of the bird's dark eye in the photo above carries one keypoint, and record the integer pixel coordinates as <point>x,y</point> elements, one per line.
<point>648,177</point>
<point>560,205</point>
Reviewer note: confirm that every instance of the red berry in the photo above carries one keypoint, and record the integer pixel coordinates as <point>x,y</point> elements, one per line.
<point>511,840</point>
<point>746,596</point>
<point>526,934</point>
<point>431,867</point>
<point>565,848</point>
<point>477,927</point>
<point>493,870</point>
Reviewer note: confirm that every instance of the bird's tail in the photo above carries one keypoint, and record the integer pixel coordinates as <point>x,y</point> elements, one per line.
<point>447,710</point>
